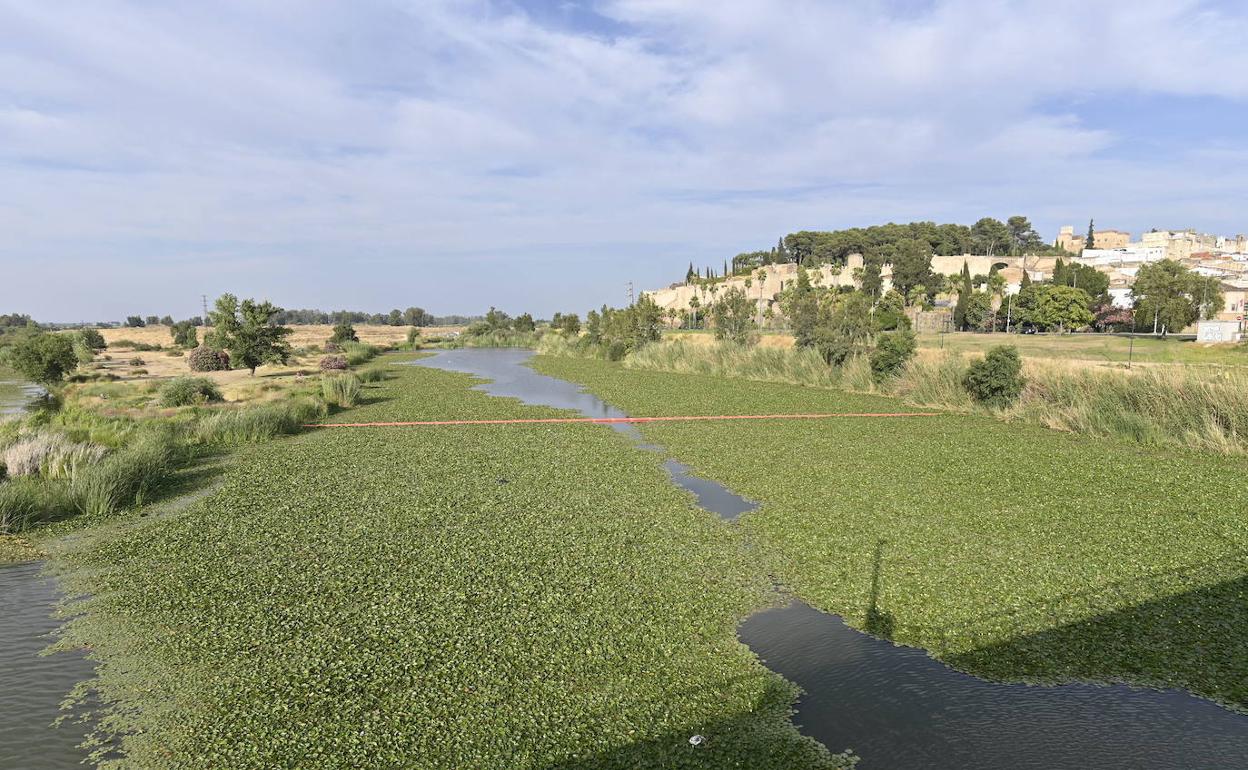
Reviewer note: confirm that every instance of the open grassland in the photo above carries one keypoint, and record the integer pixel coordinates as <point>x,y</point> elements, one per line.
<point>1007,550</point>
<point>1076,350</point>
<point>302,336</point>
<point>520,596</point>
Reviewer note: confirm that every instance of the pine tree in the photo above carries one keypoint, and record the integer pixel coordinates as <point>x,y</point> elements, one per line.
<point>1091,242</point>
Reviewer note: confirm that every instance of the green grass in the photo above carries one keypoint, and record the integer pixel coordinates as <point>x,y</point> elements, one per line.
<point>520,596</point>
<point>1007,550</point>
<point>1093,347</point>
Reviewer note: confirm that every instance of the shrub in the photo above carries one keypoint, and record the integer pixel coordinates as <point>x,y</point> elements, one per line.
<point>43,358</point>
<point>184,391</point>
<point>83,351</point>
<point>373,374</point>
<point>184,334</point>
<point>333,364</point>
<point>332,347</point>
<point>413,337</point>
<point>174,353</point>
<point>996,380</point>
<point>136,361</point>
<point>340,389</point>
<point>892,351</point>
<point>93,338</point>
<point>206,359</point>
<point>343,332</point>
<point>138,372</point>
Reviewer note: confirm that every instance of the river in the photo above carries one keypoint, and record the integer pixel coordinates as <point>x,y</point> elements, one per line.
<point>896,707</point>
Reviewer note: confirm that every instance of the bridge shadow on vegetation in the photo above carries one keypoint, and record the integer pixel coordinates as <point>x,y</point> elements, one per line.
<point>1196,639</point>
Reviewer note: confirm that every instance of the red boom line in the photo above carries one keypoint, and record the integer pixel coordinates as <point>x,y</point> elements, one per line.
<point>620,419</point>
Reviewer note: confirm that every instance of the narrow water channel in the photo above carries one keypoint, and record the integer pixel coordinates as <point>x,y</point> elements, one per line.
<point>32,686</point>
<point>15,396</point>
<point>895,706</point>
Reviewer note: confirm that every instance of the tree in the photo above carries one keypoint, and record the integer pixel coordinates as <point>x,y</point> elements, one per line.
<point>343,332</point>
<point>1049,306</point>
<point>569,324</point>
<point>800,305</point>
<point>135,322</point>
<point>151,320</point>
<point>690,275</point>
<point>1090,241</point>
<point>964,298</point>
<point>977,312</point>
<point>1085,277</point>
<point>249,332</point>
<point>1171,297</point>
<point>184,334</point>
<point>871,281</point>
<point>844,329</point>
<point>890,312</point>
<point>395,318</point>
<point>990,235</point>
<point>732,316</point>
<point>93,339</point>
<point>415,316</point>
<point>912,264</point>
<point>497,320</point>
<point>43,358</point>
<point>524,323</point>
<point>1023,237</point>
<point>1026,280</point>
<point>166,320</point>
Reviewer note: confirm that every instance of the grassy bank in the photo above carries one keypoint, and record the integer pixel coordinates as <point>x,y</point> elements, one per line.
<point>1174,406</point>
<point>523,596</point>
<point>1006,549</point>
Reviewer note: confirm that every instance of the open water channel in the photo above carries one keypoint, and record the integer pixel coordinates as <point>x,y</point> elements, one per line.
<point>895,706</point>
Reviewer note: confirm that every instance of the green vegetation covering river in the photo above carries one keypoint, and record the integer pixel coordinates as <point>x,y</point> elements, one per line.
<point>495,597</point>
<point>1011,551</point>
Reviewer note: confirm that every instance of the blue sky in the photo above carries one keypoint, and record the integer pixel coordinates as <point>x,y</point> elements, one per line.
<point>539,155</point>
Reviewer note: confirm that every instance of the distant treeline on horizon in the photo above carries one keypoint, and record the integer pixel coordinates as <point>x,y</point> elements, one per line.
<point>413,316</point>
<point>886,243</point>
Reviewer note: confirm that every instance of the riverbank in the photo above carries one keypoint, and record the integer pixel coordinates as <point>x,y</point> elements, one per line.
<point>1009,551</point>
<point>520,596</point>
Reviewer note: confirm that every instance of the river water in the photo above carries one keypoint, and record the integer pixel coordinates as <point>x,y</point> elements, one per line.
<point>15,396</point>
<point>896,707</point>
<point>32,686</point>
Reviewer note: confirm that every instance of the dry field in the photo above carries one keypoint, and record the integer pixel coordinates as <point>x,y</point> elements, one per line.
<point>301,337</point>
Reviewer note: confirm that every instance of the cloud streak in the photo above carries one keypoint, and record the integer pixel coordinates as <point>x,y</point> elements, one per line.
<point>458,154</point>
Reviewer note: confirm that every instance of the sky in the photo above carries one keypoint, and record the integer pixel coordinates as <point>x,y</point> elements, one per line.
<point>539,156</point>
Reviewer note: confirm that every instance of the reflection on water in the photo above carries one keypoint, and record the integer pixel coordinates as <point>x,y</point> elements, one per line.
<point>895,706</point>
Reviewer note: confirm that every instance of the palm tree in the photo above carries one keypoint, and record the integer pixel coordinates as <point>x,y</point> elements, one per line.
<point>761,275</point>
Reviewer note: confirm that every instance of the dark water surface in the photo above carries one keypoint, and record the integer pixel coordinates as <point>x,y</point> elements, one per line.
<point>898,708</point>
<point>32,686</point>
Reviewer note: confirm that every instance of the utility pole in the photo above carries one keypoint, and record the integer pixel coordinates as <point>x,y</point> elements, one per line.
<point>630,294</point>
<point>1009,313</point>
<point>204,299</point>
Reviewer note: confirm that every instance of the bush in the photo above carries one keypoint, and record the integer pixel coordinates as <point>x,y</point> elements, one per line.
<point>343,332</point>
<point>184,334</point>
<point>358,353</point>
<point>93,338</point>
<point>892,351</point>
<point>43,358</point>
<point>185,391</point>
<point>333,364</point>
<point>413,337</point>
<point>332,347</point>
<point>373,374</point>
<point>174,353</point>
<point>340,389</point>
<point>996,380</point>
<point>206,359</point>
<point>136,361</point>
<point>49,455</point>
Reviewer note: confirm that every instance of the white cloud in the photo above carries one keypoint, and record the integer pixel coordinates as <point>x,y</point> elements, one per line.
<point>141,140</point>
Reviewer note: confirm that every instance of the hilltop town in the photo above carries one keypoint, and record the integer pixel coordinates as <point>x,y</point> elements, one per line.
<point>1110,252</point>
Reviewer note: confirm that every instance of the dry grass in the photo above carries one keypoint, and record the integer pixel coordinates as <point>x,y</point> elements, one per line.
<point>301,336</point>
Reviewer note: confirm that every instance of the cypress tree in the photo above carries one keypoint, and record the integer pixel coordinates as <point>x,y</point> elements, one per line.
<point>1091,242</point>
<point>1059,273</point>
<point>1023,284</point>
<point>690,274</point>
<point>964,299</point>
